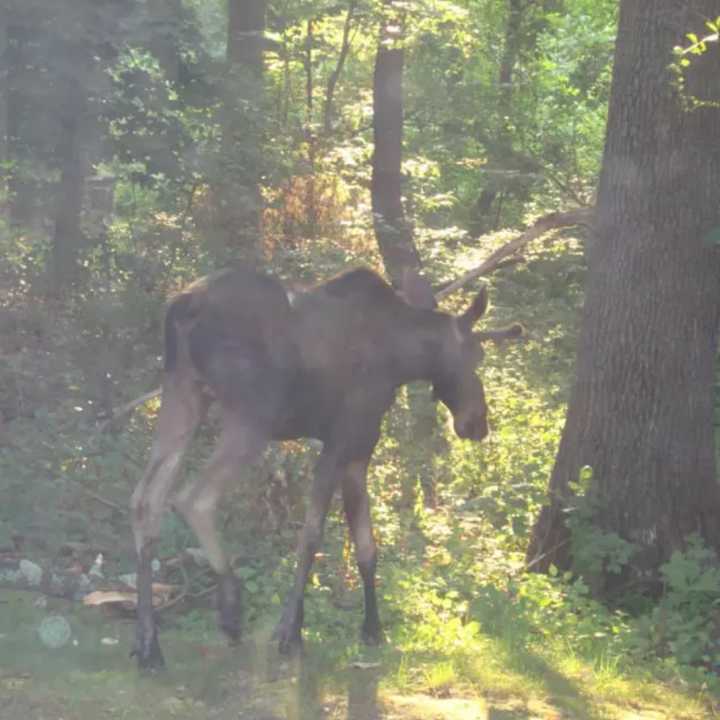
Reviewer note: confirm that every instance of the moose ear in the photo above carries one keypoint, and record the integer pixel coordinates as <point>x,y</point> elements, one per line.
<point>417,290</point>
<point>474,312</point>
<point>511,333</point>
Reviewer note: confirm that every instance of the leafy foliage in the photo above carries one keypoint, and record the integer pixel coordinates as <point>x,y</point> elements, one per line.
<point>458,608</point>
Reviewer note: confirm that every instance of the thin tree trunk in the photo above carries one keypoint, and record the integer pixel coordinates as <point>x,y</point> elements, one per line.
<point>328,110</point>
<point>641,410</point>
<point>238,201</point>
<point>67,234</point>
<point>165,18</point>
<point>393,232</point>
<point>310,139</point>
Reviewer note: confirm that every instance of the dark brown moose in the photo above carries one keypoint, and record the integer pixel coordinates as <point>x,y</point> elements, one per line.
<point>326,367</point>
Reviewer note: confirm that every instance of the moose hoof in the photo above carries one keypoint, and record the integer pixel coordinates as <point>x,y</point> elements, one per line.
<point>229,607</point>
<point>371,635</point>
<point>289,639</point>
<point>149,656</point>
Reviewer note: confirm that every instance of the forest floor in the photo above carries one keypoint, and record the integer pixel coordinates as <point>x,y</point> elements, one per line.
<point>92,678</point>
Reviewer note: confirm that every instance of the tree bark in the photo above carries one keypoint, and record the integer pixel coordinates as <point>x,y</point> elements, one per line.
<point>328,110</point>
<point>641,410</point>
<point>310,137</point>
<point>67,233</point>
<point>165,20</point>
<point>236,189</point>
<point>394,234</point>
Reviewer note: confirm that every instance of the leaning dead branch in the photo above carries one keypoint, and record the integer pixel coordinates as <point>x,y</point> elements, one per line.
<point>553,221</point>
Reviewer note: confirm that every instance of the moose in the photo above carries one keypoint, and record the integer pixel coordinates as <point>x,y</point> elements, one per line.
<point>325,366</point>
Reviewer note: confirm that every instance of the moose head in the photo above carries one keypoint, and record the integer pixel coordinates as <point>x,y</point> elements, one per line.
<point>455,382</point>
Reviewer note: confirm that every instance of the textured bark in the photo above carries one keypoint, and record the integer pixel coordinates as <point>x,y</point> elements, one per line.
<point>246,34</point>
<point>393,233</point>
<point>310,138</point>
<point>641,409</point>
<point>67,234</point>
<point>165,20</point>
<point>238,202</point>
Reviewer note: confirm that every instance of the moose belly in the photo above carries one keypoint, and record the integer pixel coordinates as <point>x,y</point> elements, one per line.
<point>310,409</point>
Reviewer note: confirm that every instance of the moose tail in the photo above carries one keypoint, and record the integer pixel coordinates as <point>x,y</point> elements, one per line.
<point>178,311</point>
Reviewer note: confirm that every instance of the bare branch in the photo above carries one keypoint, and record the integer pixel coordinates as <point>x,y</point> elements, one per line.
<point>128,407</point>
<point>580,216</point>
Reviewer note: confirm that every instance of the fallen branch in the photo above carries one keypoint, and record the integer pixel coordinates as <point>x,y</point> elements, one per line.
<point>581,216</point>
<point>128,407</point>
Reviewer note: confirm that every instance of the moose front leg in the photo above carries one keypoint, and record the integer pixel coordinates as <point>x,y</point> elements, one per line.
<point>288,632</point>
<point>357,511</point>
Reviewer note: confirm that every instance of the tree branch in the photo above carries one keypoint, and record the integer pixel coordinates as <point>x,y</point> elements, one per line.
<point>128,407</point>
<point>580,216</point>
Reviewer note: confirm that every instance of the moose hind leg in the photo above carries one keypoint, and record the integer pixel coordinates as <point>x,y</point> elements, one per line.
<point>357,511</point>
<point>237,446</point>
<point>288,632</point>
<point>183,407</point>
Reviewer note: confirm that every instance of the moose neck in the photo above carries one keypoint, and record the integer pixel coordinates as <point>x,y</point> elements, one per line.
<point>418,349</point>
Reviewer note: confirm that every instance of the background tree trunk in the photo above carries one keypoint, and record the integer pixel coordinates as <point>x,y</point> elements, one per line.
<point>67,234</point>
<point>236,188</point>
<point>394,233</point>
<point>165,29</point>
<point>641,410</point>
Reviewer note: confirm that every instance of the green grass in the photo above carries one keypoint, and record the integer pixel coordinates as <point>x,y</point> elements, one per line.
<point>464,672</point>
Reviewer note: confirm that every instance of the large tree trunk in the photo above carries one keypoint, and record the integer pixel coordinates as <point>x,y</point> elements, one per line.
<point>641,410</point>
<point>236,190</point>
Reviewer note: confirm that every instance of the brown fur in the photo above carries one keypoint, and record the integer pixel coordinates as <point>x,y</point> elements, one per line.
<point>327,367</point>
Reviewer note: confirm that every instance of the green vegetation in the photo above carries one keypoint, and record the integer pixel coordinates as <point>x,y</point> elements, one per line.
<point>470,633</point>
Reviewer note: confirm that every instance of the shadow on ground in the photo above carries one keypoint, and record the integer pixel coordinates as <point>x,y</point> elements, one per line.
<point>91,677</point>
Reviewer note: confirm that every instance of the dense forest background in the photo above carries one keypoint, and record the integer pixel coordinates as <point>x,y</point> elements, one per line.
<point>144,143</point>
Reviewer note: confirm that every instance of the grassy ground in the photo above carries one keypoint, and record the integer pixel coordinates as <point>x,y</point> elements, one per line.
<point>487,677</point>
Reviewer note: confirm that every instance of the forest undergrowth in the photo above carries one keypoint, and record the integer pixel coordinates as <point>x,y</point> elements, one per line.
<point>468,629</point>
